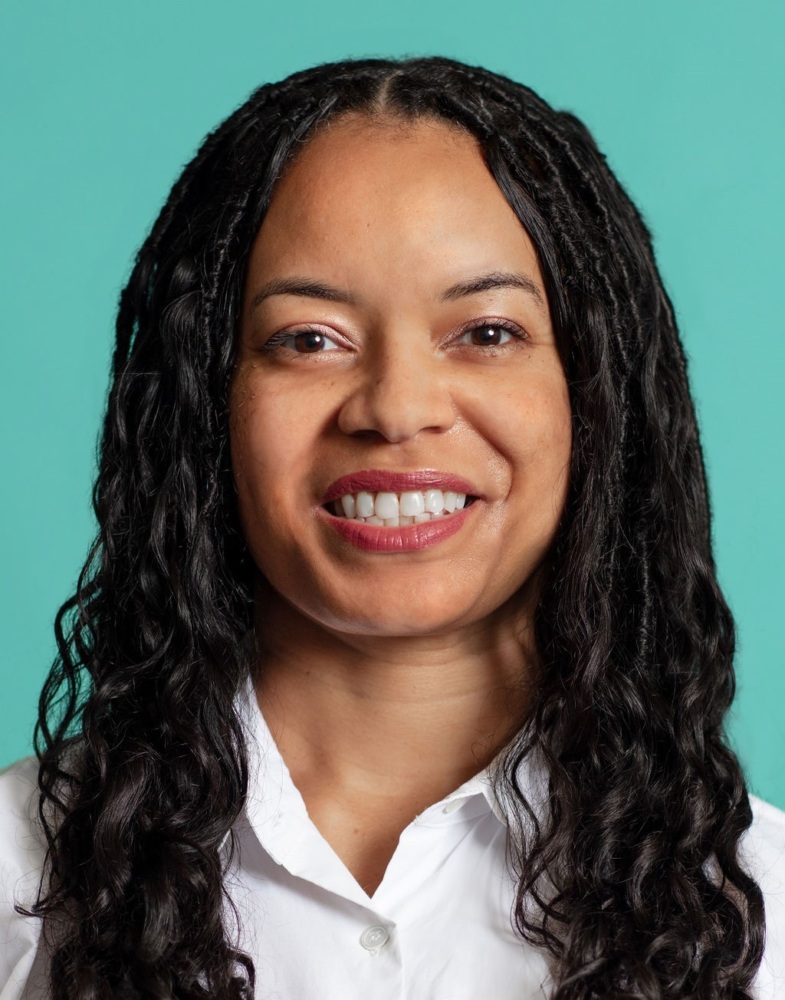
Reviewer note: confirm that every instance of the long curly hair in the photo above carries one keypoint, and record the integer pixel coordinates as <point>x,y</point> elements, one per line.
<point>629,876</point>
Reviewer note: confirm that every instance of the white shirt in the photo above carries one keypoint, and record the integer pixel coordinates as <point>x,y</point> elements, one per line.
<point>437,927</point>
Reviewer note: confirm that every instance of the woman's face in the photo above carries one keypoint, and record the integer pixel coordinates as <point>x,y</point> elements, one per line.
<point>395,339</point>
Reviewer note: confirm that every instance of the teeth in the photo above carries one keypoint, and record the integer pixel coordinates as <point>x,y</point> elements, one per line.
<point>364,505</point>
<point>396,510</point>
<point>387,506</point>
<point>412,504</point>
<point>434,501</point>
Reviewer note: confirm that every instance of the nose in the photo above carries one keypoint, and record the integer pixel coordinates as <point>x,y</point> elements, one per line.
<point>399,393</point>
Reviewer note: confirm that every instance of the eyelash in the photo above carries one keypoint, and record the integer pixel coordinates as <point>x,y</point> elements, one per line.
<point>278,339</point>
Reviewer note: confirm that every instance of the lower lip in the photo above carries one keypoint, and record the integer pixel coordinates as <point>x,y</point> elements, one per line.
<point>410,538</point>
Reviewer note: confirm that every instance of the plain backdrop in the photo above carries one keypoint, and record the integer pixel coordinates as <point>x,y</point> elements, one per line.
<point>104,102</point>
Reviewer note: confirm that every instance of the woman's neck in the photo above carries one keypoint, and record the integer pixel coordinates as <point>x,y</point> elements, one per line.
<point>414,716</point>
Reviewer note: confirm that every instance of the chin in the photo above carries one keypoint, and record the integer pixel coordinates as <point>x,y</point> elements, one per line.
<point>403,617</point>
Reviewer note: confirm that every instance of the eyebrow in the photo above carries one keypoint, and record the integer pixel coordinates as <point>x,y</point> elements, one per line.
<point>472,286</point>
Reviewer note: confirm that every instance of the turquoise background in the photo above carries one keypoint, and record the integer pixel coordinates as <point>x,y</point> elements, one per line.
<point>104,102</point>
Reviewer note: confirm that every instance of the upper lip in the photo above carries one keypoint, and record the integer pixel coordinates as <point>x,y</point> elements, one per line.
<point>383,480</point>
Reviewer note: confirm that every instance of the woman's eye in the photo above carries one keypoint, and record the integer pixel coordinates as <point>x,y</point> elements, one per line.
<point>304,342</point>
<point>488,335</point>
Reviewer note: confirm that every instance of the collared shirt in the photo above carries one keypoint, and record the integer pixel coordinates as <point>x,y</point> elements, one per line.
<point>438,927</point>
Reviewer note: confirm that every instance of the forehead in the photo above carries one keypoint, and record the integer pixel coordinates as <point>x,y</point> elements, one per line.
<point>404,196</point>
<point>357,158</point>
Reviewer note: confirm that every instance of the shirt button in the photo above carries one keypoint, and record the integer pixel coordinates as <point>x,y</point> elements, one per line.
<point>374,938</point>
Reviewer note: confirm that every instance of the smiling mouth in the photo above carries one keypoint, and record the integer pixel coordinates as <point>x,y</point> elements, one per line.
<point>397,510</point>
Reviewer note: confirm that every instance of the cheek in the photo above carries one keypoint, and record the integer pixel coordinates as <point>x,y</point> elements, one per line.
<point>536,438</point>
<point>545,467</point>
<point>268,444</point>
<point>272,422</point>
<point>552,439</point>
<point>528,422</point>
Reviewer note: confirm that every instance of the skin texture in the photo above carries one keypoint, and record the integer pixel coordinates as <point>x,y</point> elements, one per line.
<point>371,664</point>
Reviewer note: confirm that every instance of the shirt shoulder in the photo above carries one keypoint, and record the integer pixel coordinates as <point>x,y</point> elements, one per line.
<point>763,848</point>
<point>21,839</point>
<point>22,852</point>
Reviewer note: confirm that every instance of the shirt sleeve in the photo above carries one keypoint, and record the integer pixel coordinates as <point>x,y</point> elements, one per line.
<point>763,847</point>
<point>21,860</point>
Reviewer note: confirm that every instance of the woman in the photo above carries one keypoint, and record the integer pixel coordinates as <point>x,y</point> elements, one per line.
<point>399,667</point>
